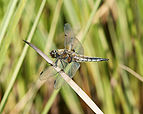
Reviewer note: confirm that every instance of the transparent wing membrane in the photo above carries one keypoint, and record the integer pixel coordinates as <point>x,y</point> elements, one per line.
<point>74,66</point>
<point>48,73</point>
<point>70,70</point>
<point>71,42</point>
<point>59,82</point>
<point>69,35</point>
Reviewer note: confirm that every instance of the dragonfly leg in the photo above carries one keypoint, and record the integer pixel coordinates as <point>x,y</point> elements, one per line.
<point>56,63</point>
<point>62,64</point>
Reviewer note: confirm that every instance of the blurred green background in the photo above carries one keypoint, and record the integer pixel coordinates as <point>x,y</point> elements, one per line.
<point>110,29</point>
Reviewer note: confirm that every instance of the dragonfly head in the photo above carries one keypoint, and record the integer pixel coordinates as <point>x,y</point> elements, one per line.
<point>54,54</point>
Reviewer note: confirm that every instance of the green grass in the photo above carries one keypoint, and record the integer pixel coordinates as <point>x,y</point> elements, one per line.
<point>107,29</point>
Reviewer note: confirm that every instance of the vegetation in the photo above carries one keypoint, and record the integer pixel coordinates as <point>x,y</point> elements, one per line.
<point>109,29</point>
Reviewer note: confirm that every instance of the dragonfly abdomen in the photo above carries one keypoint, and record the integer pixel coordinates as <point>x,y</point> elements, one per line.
<point>88,59</point>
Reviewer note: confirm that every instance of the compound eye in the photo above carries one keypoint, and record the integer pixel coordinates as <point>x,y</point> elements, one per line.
<point>53,53</point>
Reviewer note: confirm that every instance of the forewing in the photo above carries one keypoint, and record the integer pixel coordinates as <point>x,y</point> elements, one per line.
<point>68,36</point>
<point>48,73</point>
<point>71,42</point>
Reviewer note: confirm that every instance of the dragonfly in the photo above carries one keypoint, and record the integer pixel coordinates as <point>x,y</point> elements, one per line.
<point>71,56</point>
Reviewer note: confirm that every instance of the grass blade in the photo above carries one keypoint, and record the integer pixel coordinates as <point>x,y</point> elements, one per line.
<point>7,18</point>
<point>14,75</point>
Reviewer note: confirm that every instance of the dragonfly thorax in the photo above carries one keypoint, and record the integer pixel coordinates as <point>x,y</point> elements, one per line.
<point>63,54</point>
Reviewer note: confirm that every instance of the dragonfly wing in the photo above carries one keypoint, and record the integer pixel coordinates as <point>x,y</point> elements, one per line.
<point>73,67</point>
<point>71,42</point>
<point>68,36</point>
<point>58,82</point>
<point>77,46</point>
<point>49,72</point>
